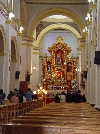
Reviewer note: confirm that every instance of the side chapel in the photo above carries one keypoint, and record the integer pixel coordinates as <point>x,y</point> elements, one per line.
<point>58,69</point>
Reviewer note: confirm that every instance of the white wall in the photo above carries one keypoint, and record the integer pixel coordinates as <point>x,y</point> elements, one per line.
<point>50,38</point>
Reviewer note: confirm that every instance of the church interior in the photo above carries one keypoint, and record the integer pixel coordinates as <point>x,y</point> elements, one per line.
<point>50,47</point>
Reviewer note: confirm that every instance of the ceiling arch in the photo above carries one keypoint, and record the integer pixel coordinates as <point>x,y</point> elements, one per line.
<point>53,26</point>
<point>58,11</point>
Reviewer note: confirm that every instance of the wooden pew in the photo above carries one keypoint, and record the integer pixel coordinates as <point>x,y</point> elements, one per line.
<point>58,118</point>
<point>48,129</point>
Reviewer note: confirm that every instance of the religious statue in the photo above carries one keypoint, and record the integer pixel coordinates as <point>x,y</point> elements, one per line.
<point>49,68</point>
<point>69,67</point>
<point>28,76</point>
<point>59,59</point>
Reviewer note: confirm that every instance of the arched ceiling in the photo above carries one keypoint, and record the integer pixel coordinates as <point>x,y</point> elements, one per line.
<point>53,11</point>
<point>67,27</point>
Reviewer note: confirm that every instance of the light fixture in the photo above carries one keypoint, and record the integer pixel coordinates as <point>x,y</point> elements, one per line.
<point>58,17</point>
<point>34,92</point>
<point>35,68</point>
<point>77,69</point>
<point>21,29</point>
<point>11,15</point>
<point>92,1</point>
<point>85,29</point>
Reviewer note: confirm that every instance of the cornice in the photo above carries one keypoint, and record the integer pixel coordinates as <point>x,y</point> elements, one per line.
<point>36,48</point>
<point>82,45</point>
<point>82,39</point>
<point>28,39</point>
<point>13,61</point>
<point>19,34</point>
<point>27,44</point>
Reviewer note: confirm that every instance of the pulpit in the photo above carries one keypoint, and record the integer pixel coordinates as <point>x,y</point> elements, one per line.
<point>58,69</point>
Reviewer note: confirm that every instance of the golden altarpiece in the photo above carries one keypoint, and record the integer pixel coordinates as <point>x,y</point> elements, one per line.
<point>58,69</point>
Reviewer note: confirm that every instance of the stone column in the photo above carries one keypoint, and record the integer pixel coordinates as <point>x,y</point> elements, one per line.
<point>89,61</point>
<point>97,80</point>
<point>2,57</point>
<point>79,73</point>
<point>86,49</point>
<point>82,44</point>
<point>7,59</point>
<point>18,62</point>
<point>35,71</point>
<point>29,49</point>
<point>93,66</point>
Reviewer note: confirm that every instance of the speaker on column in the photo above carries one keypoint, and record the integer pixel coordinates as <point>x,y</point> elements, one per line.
<point>97,58</point>
<point>17,74</point>
<point>85,74</point>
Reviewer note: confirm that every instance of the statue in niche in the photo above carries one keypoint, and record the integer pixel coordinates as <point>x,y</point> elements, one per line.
<point>69,67</point>
<point>59,58</point>
<point>49,66</point>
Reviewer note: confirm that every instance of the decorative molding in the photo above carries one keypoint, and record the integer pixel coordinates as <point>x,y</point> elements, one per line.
<point>35,52</point>
<point>28,39</point>
<point>53,26</point>
<point>36,48</point>
<point>8,21</point>
<point>24,44</point>
<point>2,54</point>
<point>82,39</point>
<point>82,45</point>
<point>14,61</point>
<point>50,12</point>
<point>93,6</point>
<point>27,44</point>
<point>19,34</point>
<point>89,23</point>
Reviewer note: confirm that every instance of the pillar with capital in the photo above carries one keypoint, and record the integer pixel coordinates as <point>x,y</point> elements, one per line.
<point>82,45</point>
<point>35,68</point>
<point>97,80</point>
<point>93,66</point>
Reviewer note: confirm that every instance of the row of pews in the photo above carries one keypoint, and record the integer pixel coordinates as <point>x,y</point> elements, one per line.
<point>56,118</point>
<point>10,111</point>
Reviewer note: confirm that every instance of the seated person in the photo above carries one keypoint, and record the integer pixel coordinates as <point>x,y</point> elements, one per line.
<point>69,96</point>
<point>57,98</point>
<point>63,97</point>
<point>2,97</point>
<point>83,98</point>
<point>14,98</point>
<point>78,97</point>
